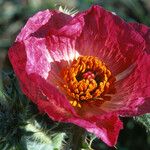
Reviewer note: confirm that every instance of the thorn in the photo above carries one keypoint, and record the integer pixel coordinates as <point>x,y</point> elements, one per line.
<point>115,147</point>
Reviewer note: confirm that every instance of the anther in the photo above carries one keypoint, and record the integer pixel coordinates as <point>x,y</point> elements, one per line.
<point>86,79</point>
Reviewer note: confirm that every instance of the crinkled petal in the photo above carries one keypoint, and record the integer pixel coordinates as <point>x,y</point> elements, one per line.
<point>108,37</point>
<point>48,60</point>
<point>40,24</point>
<point>144,31</point>
<point>133,92</point>
<point>39,90</point>
<point>106,127</point>
<point>52,101</point>
<point>144,108</point>
<point>43,58</point>
<point>121,48</point>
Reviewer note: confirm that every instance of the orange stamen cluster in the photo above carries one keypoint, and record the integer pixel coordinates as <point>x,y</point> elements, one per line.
<point>87,79</point>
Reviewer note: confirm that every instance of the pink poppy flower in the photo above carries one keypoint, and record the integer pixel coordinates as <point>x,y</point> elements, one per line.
<point>87,69</point>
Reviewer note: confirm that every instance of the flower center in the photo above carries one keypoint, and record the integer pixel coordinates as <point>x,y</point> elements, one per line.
<point>87,79</point>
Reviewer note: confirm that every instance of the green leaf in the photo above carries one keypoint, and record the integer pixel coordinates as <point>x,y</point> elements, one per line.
<point>144,120</point>
<point>58,140</point>
<point>35,145</point>
<point>45,139</point>
<point>39,133</point>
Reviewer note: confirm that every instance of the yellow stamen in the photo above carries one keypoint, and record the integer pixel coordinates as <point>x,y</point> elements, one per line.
<point>86,79</point>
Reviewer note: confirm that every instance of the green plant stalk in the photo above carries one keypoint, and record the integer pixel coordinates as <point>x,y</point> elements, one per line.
<point>77,138</point>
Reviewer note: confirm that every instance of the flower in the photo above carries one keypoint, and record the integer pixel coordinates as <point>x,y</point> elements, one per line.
<point>87,69</point>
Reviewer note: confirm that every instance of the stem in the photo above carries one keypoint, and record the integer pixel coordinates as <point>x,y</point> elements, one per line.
<point>77,138</point>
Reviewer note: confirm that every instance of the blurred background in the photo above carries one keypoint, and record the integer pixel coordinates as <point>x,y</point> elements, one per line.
<point>14,14</point>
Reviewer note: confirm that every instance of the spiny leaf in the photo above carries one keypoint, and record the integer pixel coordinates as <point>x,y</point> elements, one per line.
<point>13,115</point>
<point>58,140</point>
<point>39,133</point>
<point>65,10</point>
<point>34,145</point>
<point>42,137</point>
<point>144,120</point>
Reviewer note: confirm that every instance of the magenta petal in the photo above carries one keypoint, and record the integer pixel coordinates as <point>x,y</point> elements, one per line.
<point>110,38</point>
<point>37,88</point>
<point>46,59</point>
<point>133,92</point>
<point>144,31</point>
<point>144,108</point>
<point>53,102</point>
<point>40,24</point>
<point>18,56</point>
<point>106,127</point>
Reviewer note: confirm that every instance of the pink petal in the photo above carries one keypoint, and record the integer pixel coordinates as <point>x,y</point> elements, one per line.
<point>144,31</point>
<point>106,127</point>
<point>40,23</point>
<point>47,60</point>
<point>110,38</point>
<point>53,102</point>
<point>35,87</point>
<point>38,61</point>
<point>133,92</point>
<point>18,58</point>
